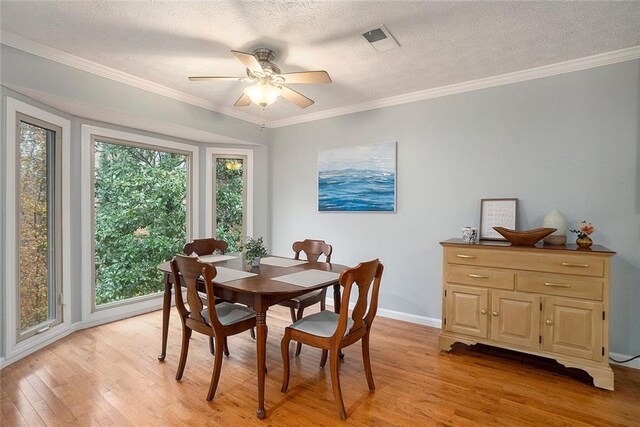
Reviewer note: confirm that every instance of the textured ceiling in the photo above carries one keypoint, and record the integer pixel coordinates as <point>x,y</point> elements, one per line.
<point>441,43</point>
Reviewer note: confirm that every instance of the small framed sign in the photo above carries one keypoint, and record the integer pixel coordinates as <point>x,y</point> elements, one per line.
<point>497,213</point>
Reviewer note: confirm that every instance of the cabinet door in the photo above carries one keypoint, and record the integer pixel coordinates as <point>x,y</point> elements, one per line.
<point>467,309</point>
<point>572,327</point>
<point>515,318</point>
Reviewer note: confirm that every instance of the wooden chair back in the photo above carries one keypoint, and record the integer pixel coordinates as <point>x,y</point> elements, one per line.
<point>205,246</point>
<point>189,269</point>
<point>364,275</point>
<point>313,249</point>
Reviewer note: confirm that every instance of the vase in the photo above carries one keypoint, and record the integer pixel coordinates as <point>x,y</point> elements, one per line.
<point>584,242</point>
<point>555,219</point>
<point>255,262</point>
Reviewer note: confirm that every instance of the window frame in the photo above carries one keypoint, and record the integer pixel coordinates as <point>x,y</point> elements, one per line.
<point>210,187</point>
<point>92,315</point>
<point>17,344</point>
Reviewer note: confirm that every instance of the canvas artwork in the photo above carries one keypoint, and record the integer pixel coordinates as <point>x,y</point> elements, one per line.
<point>358,179</point>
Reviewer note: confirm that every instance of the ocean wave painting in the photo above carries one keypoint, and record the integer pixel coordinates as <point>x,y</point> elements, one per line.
<point>358,179</point>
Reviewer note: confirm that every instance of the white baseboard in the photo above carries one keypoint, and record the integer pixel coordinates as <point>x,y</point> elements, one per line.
<point>120,315</point>
<point>411,318</point>
<point>399,315</point>
<point>27,351</point>
<point>635,364</point>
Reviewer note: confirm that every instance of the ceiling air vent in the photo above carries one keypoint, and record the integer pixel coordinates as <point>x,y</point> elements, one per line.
<point>380,39</point>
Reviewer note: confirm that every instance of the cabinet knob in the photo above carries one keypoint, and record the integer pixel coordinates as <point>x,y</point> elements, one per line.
<point>548,322</point>
<point>495,313</point>
<point>483,311</point>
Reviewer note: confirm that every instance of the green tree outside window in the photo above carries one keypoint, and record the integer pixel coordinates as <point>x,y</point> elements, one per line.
<point>140,218</point>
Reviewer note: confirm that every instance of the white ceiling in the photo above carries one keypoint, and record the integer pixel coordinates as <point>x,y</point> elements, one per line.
<point>441,43</point>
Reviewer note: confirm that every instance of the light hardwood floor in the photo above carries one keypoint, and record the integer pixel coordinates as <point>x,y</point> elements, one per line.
<point>109,375</point>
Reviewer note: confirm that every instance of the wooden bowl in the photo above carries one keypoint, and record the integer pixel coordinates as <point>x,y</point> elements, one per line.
<point>524,238</point>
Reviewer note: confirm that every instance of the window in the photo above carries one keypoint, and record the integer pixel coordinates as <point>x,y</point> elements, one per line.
<point>141,202</point>
<point>229,202</point>
<point>37,223</point>
<point>39,227</point>
<point>229,189</point>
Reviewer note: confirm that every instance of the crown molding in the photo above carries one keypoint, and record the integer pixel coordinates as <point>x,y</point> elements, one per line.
<point>70,60</point>
<point>594,61</point>
<point>53,54</point>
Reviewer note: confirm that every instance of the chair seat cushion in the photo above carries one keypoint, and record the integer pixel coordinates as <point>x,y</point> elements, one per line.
<point>229,313</point>
<point>322,324</point>
<point>305,296</point>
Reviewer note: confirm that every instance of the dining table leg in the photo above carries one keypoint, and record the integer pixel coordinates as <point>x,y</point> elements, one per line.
<point>166,312</point>
<point>336,297</point>
<point>261,307</point>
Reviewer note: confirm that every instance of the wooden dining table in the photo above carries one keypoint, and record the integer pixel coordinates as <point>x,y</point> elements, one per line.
<point>259,292</point>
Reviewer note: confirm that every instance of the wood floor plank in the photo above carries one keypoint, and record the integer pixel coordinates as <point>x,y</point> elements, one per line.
<point>109,375</point>
<point>10,415</point>
<point>15,396</point>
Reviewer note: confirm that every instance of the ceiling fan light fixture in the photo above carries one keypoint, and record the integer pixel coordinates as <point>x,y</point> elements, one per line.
<point>263,94</point>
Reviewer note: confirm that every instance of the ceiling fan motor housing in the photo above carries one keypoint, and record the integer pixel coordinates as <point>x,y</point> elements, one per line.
<point>264,57</point>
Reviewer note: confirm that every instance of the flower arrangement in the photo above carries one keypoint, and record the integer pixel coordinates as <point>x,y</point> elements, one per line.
<point>583,229</point>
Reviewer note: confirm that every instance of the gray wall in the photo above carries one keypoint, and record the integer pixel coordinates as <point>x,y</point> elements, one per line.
<point>48,80</point>
<point>569,142</point>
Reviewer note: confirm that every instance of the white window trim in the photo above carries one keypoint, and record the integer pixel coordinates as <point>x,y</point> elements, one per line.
<point>209,187</point>
<point>15,350</point>
<point>146,304</point>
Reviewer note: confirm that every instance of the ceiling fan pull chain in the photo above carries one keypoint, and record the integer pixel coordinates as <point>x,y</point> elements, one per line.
<point>262,119</point>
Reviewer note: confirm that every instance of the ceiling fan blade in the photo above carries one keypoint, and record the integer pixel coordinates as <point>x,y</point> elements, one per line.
<point>307,77</point>
<point>249,61</point>
<point>243,101</point>
<point>219,78</point>
<point>297,98</point>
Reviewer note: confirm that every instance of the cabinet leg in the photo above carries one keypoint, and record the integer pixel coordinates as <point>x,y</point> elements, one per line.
<point>446,343</point>
<point>602,376</point>
<point>602,379</point>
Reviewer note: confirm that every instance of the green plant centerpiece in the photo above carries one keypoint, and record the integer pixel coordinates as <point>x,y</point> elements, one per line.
<point>254,250</point>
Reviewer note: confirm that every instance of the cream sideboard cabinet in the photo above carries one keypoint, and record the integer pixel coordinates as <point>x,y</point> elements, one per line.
<point>548,301</point>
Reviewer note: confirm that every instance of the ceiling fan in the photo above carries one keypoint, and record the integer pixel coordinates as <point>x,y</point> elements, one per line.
<point>269,83</point>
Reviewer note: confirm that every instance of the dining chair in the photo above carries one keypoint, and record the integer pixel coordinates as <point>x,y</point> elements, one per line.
<point>215,320</point>
<point>331,332</point>
<point>208,246</point>
<point>205,246</point>
<point>313,249</point>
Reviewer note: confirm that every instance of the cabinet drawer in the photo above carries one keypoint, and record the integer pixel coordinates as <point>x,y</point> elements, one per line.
<point>559,285</point>
<point>579,265</point>
<point>471,256</point>
<point>483,277</point>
